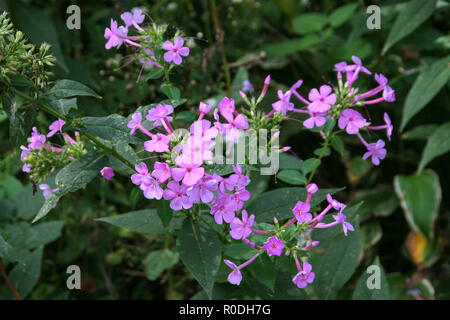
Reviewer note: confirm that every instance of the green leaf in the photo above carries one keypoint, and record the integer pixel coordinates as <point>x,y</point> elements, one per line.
<point>69,88</point>
<point>43,233</point>
<point>309,165</point>
<point>337,144</point>
<point>280,202</point>
<point>264,271</point>
<point>309,22</point>
<point>37,26</point>
<point>324,152</point>
<point>426,86</point>
<point>64,105</point>
<point>342,14</point>
<point>292,177</point>
<point>362,291</point>
<point>20,121</point>
<point>420,132</point>
<point>437,145</point>
<point>154,73</point>
<point>420,196</point>
<point>158,261</point>
<point>164,211</point>
<point>338,264</point>
<point>201,251</point>
<point>8,252</point>
<point>48,205</point>
<point>113,128</point>
<point>288,161</point>
<point>411,17</point>
<point>142,221</point>
<point>171,92</point>
<point>188,116</point>
<point>25,277</point>
<point>288,47</point>
<point>380,201</point>
<point>371,233</point>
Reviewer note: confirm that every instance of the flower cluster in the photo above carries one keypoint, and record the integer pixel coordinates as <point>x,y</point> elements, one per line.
<point>339,104</point>
<point>41,156</point>
<point>153,50</point>
<point>285,238</point>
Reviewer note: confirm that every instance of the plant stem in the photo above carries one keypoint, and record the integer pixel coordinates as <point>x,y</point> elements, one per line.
<point>324,146</point>
<point>8,282</point>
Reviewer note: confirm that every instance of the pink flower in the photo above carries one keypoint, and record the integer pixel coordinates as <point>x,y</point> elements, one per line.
<point>115,36</point>
<point>204,108</point>
<point>312,188</point>
<point>37,140</point>
<point>135,122</point>
<point>274,246</point>
<point>25,152</point>
<point>335,204</point>
<point>316,118</point>
<point>223,209</point>
<point>389,94</point>
<point>47,190</point>
<point>376,151</point>
<point>233,129</point>
<point>142,173</point>
<point>55,127</point>
<point>107,173</point>
<point>340,218</point>
<point>235,277</point>
<point>178,195</point>
<point>301,212</point>
<point>239,197</point>
<point>237,180</point>
<point>322,101</point>
<point>357,66</point>
<point>134,18</point>
<point>352,120</point>
<point>159,113</point>
<point>149,62</point>
<point>175,50</point>
<point>388,126</point>
<point>159,143</point>
<point>189,172</point>
<point>161,171</point>
<point>203,190</point>
<point>226,108</point>
<point>241,229</point>
<point>283,105</point>
<point>304,276</point>
<point>151,188</point>
<point>203,129</point>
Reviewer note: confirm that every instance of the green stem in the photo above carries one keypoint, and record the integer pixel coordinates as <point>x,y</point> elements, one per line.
<point>324,146</point>
<point>56,114</point>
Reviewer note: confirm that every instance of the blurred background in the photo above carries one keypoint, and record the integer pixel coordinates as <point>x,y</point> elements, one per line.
<point>234,41</point>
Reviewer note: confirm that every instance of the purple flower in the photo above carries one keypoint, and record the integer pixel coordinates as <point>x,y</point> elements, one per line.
<point>376,151</point>
<point>178,195</point>
<point>47,190</point>
<point>25,152</point>
<point>283,105</point>
<point>159,113</point>
<point>301,212</point>
<point>389,127</point>
<point>235,277</point>
<point>135,122</point>
<point>237,180</point>
<point>233,128</point>
<point>312,188</point>
<point>107,173</point>
<point>203,129</point>
<point>223,209</point>
<point>239,197</point>
<point>340,218</point>
<point>247,86</point>
<point>37,140</point>
<point>203,190</point>
<point>241,229</point>
<point>389,94</point>
<point>316,118</point>
<point>274,246</point>
<point>151,188</point>
<point>352,120</point>
<point>189,172</point>
<point>204,108</point>
<point>142,173</point>
<point>321,101</point>
<point>335,204</point>
<point>55,127</point>
<point>135,17</point>
<point>159,143</point>
<point>226,108</point>
<point>357,66</point>
<point>161,171</point>
<point>381,79</point>
<point>115,36</point>
<point>175,50</point>
<point>149,62</point>
<point>304,276</point>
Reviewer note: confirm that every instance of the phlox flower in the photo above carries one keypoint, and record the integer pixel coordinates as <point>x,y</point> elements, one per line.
<point>316,119</point>
<point>340,218</point>
<point>142,173</point>
<point>336,205</point>
<point>376,151</point>
<point>357,66</point>
<point>227,108</point>
<point>107,173</point>
<point>247,86</point>
<point>203,190</point>
<point>223,209</point>
<point>233,128</point>
<point>235,277</point>
<point>158,143</point>
<point>204,108</point>
<point>175,50</point>
<point>189,172</point>
<point>55,127</point>
<point>149,62</point>
<point>115,36</point>
<point>351,120</point>
<point>37,140</point>
<point>135,122</point>
<point>273,246</point>
<point>159,114</point>
<point>388,126</point>
<point>301,212</point>
<point>283,105</point>
<point>177,194</point>
<point>237,179</point>
<point>239,197</point>
<point>304,275</point>
<point>151,188</point>
<point>47,190</point>
<point>203,129</point>
<point>241,229</point>
<point>135,17</point>
<point>321,101</point>
<point>161,171</point>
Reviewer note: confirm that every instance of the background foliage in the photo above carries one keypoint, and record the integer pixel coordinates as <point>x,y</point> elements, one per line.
<point>126,245</point>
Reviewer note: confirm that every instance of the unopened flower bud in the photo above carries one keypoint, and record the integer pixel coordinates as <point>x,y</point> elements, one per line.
<point>204,108</point>
<point>312,188</point>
